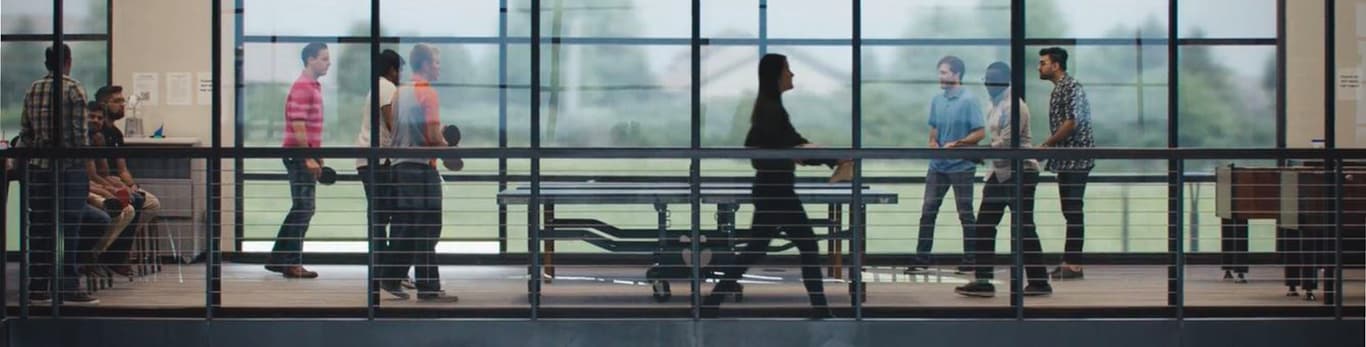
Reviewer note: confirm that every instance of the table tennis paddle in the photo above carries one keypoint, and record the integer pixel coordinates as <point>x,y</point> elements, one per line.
<point>452,135</point>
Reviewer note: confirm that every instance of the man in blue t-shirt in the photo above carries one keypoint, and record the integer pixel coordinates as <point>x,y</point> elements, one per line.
<point>955,121</point>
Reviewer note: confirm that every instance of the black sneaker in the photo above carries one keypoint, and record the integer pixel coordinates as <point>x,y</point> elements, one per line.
<point>394,289</point>
<point>977,289</point>
<point>437,297</point>
<point>80,298</point>
<point>1066,273</point>
<point>1039,289</point>
<point>39,297</point>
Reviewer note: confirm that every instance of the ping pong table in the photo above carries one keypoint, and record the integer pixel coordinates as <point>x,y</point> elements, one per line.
<point>726,196</point>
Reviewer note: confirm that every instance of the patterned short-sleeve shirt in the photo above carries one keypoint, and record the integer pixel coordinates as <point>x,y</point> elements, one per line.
<point>1068,101</point>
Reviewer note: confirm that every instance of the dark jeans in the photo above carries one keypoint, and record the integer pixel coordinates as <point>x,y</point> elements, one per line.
<point>378,193</point>
<point>1072,193</point>
<point>82,225</point>
<point>416,227</point>
<point>776,211</point>
<point>996,197</point>
<point>936,186</point>
<point>303,189</point>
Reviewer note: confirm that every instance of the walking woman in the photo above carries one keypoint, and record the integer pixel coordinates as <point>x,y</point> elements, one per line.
<point>776,206</point>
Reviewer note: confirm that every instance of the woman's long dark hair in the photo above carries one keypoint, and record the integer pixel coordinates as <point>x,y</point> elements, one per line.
<point>770,98</point>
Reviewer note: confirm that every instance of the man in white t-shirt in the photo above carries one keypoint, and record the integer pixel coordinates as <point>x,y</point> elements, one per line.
<point>377,191</point>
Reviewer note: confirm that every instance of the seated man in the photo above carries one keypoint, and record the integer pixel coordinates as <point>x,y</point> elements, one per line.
<point>112,101</point>
<point>123,202</point>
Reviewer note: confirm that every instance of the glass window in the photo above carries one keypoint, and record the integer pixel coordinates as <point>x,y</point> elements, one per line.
<point>306,17</point>
<point>615,95</point>
<point>1096,19</point>
<point>1228,96</point>
<point>896,19</point>
<point>35,17</point>
<point>1125,86</point>
<point>1212,19</point>
<point>810,19</point>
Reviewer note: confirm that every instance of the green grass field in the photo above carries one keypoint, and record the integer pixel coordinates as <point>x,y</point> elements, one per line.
<point>471,208</point>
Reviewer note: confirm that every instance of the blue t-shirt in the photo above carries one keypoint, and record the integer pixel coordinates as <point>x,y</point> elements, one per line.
<point>955,114</point>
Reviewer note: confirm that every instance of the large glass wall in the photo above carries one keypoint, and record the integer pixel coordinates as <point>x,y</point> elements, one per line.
<point>585,124</point>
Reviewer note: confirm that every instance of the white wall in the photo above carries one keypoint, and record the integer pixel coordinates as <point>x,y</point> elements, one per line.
<point>170,36</point>
<point>1305,76</point>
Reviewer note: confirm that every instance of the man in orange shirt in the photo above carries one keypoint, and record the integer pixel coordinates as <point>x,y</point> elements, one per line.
<point>417,196</point>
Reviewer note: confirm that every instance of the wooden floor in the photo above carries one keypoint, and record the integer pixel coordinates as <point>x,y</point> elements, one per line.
<point>341,286</point>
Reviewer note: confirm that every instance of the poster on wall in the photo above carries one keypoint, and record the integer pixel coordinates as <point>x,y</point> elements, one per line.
<point>205,88</point>
<point>145,88</point>
<point>178,89</point>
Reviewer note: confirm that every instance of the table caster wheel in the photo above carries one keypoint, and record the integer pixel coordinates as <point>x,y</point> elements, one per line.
<point>661,290</point>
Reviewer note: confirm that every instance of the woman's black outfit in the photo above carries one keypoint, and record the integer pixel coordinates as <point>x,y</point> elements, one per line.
<point>776,209</point>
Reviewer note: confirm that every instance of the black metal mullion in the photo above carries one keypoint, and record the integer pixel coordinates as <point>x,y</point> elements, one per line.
<point>56,166</point>
<point>1176,170</point>
<point>1280,76</point>
<point>502,122</point>
<point>1332,166</point>
<point>239,123</point>
<point>856,224</point>
<point>534,205</point>
<point>213,292</point>
<point>372,162</point>
<point>1017,80</point>
<point>695,165</point>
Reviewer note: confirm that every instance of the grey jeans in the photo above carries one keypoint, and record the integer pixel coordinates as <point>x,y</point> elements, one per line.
<point>936,186</point>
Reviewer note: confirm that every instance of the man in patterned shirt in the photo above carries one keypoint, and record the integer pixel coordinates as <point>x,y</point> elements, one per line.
<point>303,129</point>
<point>1069,119</point>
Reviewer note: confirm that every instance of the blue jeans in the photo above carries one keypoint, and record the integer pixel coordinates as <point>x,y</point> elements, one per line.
<point>303,189</point>
<point>82,224</point>
<point>936,187</point>
<point>416,227</point>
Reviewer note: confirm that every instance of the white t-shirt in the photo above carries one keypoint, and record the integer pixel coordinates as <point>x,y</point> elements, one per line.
<point>386,98</point>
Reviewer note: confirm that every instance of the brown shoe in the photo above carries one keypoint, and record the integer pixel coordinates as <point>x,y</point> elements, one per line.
<point>297,271</point>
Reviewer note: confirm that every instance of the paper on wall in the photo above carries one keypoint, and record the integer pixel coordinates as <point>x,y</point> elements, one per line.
<point>205,88</point>
<point>145,88</point>
<point>1348,82</point>
<point>178,89</point>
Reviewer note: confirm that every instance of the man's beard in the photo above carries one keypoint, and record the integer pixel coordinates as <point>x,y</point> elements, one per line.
<point>112,116</point>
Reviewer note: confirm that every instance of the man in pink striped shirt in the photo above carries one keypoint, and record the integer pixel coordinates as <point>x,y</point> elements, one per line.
<point>303,129</point>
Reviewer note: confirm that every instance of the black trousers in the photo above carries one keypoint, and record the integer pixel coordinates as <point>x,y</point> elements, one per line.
<point>997,195</point>
<point>379,211</point>
<point>1072,194</point>
<point>776,211</point>
<point>416,227</point>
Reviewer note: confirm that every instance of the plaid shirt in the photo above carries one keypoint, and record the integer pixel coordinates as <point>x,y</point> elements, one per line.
<point>1069,102</point>
<point>37,129</point>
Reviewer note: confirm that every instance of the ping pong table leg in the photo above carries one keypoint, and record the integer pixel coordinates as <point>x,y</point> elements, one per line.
<point>548,256</point>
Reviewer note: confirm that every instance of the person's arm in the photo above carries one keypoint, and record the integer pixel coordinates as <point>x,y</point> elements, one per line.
<point>101,191</point>
<point>1025,137</point>
<point>1064,130</point>
<point>386,113</point>
<point>124,174</point>
<point>91,170</point>
<point>1069,125</point>
<point>431,107</point>
<point>934,134</point>
<point>972,139</point>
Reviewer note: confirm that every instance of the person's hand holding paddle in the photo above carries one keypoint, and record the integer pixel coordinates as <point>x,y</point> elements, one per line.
<point>452,135</point>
